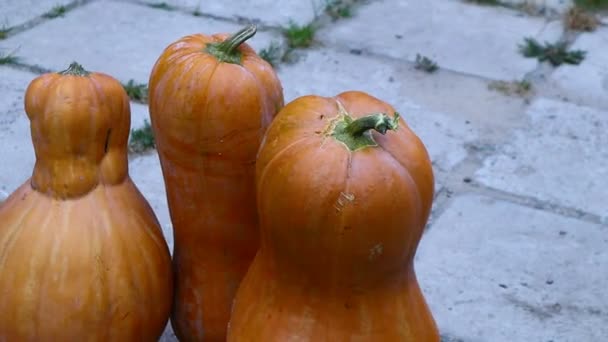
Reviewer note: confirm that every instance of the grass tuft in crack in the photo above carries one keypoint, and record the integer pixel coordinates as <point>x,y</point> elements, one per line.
<point>142,139</point>
<point>136,91</point>
<point>425,64</point>
<point>4,31</point>
<point>593,5</point>
<point>337,9</point>
<point>299,36</point>
<point>512,88</point>
<point>486,2</point>
<point>556,53</point>
<point>272,54</point>
<point>8,58</point>
<point>162,5</point>
<point>57,11</point>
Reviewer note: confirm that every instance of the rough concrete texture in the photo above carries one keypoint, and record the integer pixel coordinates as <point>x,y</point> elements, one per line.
<point>19,12</point>
<point>283,11</point>
<point>446,31</point>
<point>516,246</point>
<point>512,273</point>
<point>588,82</point>
<point>17,156</point>
<point>561,158</point>
<point>123,47</point>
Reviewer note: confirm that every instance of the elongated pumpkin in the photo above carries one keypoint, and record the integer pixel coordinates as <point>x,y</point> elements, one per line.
<point>344,192</point>
<point>211,99</point>
<point>82,256</point>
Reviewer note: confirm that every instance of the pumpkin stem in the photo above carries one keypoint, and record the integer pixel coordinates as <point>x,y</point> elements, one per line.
<point>227,51</point>
<point>75,69</point>
<point>356,134</point>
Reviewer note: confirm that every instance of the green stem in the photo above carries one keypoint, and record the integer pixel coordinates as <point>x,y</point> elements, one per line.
<point>75,69</point>
<point>379,122</point>
<point>227,51</point>
<point>355,134</point>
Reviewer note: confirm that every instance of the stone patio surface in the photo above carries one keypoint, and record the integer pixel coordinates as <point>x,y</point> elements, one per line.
<point>517,245</point>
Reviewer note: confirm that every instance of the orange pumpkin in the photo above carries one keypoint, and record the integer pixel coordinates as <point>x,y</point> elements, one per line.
<point>82,256</point>
<point>344,192</point>
<point>211,99</point>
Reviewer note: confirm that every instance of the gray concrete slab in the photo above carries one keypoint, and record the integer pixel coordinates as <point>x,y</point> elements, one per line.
<point>586,83</point>
<point>113,42</point>
<point>270,12</point>
<point>561,158</point>
<point>146,174</point>
<point>464,37</point>
<point>329,73</point>
<point>17,12</point>
<point>16,149</point>
<point>496,271</point>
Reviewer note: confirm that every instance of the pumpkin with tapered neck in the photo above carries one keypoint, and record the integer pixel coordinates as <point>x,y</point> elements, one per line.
<point>344,190</point>
<point>82,255</point>
<point>211,99</point>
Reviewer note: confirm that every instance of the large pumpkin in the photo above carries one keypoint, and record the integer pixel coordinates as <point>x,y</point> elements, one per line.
<point>211,99</point>
<point>342,208</point>
<point>82,256</point>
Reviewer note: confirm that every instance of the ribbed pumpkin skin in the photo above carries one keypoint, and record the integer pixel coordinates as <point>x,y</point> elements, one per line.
<point>82,256</point>
<point>209,118</point>
<point>339,231</point>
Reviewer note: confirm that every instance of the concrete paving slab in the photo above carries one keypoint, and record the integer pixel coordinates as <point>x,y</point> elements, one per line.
<point>16,150</point>
<point>146,174</point>
<point>496,271</point>
<point>468,38</point>
<point>17,12</point>
<point>586,83</point>
<point>562,158</point>
<point>330,73</point>
<point>270,12</point>
<point>114,42</point>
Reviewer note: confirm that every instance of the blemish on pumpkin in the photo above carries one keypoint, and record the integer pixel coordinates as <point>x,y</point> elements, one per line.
<point>343,200</point>
<point>375,251</point>
<point>107,142</point>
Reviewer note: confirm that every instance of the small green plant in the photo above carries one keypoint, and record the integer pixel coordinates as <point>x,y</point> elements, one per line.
<point>142,139</point>
<point>299,36</point>
<point>136,91</point>
<point>592,4</point>
<point>57,11</point>
<point>162,5</point>
<point>579,19</point>
<point>556,53</point>
<point>271,54</point>
<point>512,88</point>
<point>338,9</point>
<point>4,31</point>
<point>486,2</point>
<point>8,58</point>
<point>425,64</point>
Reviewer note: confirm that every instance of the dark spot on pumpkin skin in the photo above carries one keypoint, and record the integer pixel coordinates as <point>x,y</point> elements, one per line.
<point>107,142</point>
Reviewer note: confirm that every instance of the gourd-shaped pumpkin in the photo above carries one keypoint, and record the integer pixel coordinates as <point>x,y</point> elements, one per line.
<point>211,99</point>
<point>344,191</point>
<point>82,255</point>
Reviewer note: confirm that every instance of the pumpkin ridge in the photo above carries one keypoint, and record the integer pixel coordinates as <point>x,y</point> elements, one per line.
<point>283,150</point>
<point>13,235</point>
<point>42,277</point>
